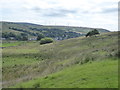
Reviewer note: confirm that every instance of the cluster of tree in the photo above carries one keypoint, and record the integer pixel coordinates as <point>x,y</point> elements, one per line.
<point>8,35</point>
<point>13,36</point>
<point>56,33</point>
<point>23,30</point>
<point>93,32</point>
<point>46,40</point>
<point>24,36</point>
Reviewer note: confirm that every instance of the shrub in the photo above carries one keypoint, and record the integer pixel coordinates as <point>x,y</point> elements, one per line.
<point>46,40</point>
<point>93,32</point>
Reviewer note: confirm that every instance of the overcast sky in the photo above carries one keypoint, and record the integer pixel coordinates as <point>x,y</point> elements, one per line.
<point>84,13</point>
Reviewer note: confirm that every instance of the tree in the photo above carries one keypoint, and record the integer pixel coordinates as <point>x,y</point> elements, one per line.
<point>24,36</point>
<point>18,37</point>
<point>8,35</point>
<point>5,35</point>
<point>46,40</point>
<point>11,34</point>
<point>40,36</point>
<point>93,32</point>
<point>96,31</point>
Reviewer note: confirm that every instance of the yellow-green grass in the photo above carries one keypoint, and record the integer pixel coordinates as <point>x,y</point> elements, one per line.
<point>9,44</point>
<point>99,74</point>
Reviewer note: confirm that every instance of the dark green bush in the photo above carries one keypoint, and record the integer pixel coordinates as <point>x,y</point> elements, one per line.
<point>93,32</point>
<point>46,40</point>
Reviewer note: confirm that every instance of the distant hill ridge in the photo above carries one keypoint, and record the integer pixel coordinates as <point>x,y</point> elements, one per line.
<point>56,32</point>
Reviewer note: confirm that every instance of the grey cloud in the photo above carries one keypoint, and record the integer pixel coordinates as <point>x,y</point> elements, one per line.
<point>36,9</point>
<point>110,10</point>
<point>103,11</point>
<point>67,11</point>
<point>54,12</point>
<point>59,12</point>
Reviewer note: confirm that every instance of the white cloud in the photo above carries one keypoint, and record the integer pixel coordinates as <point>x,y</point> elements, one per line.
<point>91,13</point>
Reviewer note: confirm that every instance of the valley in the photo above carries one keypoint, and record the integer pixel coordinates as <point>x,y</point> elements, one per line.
<point>30,64</point>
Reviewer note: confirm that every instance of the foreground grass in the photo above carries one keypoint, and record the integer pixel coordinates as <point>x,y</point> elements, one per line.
<point>98,74</point>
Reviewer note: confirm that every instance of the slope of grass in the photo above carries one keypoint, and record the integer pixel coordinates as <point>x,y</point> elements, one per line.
<point>99,74</point>
<point>31,60</point>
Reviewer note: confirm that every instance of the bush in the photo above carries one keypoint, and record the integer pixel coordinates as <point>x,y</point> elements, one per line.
<point>46,40</point>
<point>93,32</point>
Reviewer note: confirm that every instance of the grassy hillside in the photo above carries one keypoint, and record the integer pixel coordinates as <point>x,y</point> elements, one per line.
<point>31,60</point>
<point>102,74</point>
<point>57,32</point>
<point>27,26</point>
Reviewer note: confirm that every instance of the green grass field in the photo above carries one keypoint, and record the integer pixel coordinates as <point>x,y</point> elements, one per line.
<point>65,60</point>
<point>102,74</point>
<point>9,44</point>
